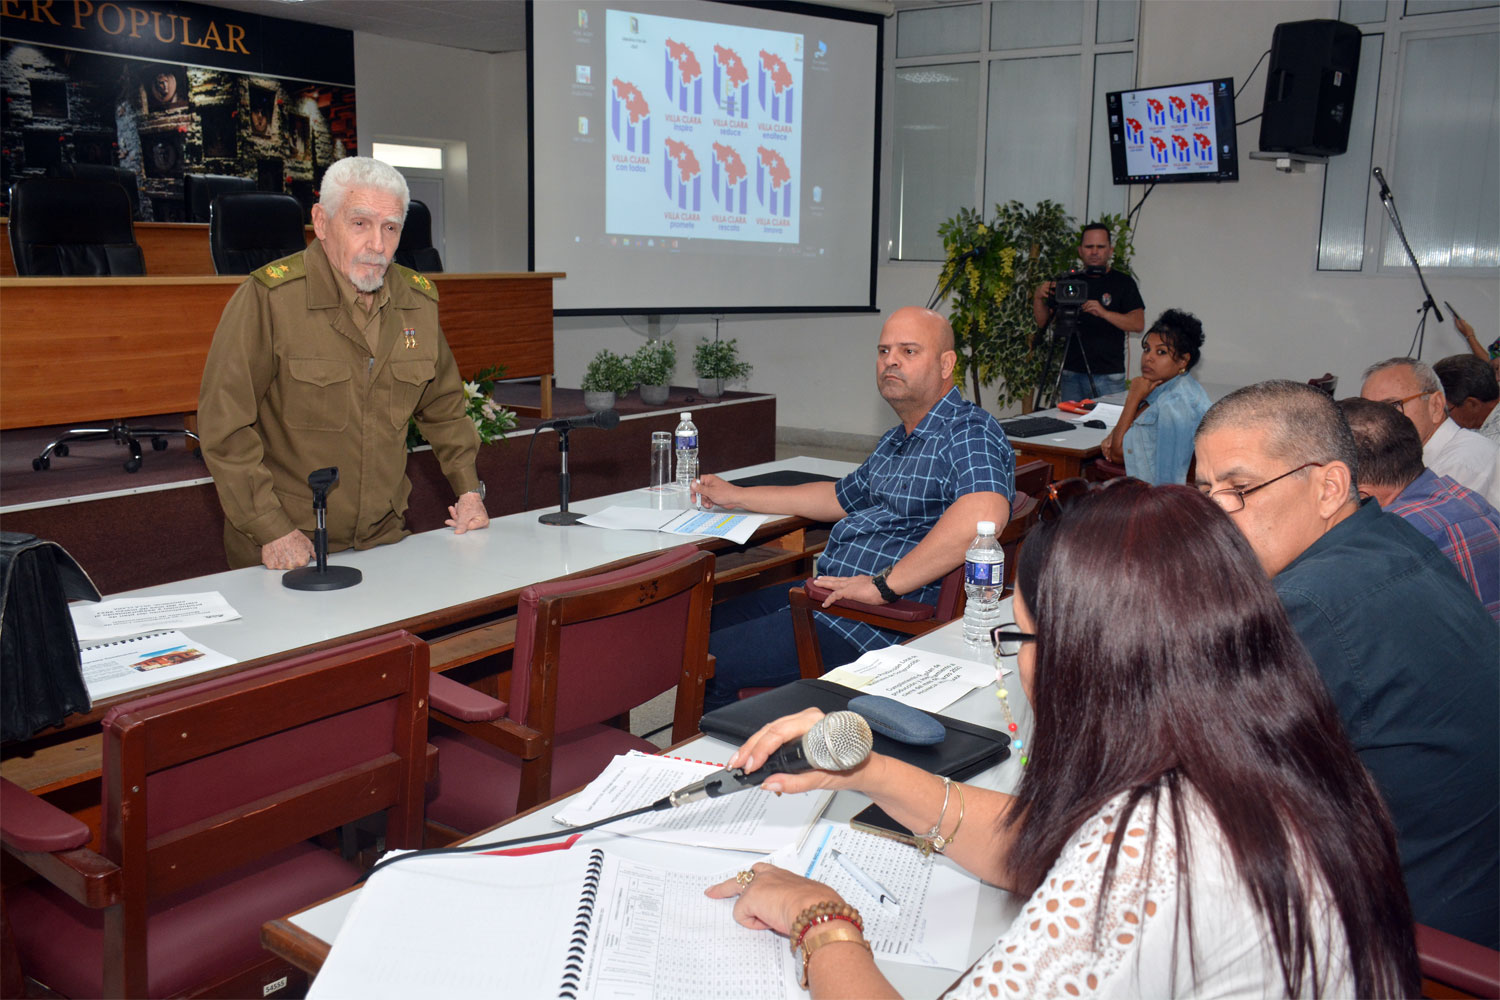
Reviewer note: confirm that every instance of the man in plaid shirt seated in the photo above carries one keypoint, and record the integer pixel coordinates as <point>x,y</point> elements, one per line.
<point>902,520</point>
<point>1455,518</point>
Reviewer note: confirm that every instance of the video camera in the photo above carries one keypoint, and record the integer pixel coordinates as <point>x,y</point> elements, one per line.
<point>1070,291</point>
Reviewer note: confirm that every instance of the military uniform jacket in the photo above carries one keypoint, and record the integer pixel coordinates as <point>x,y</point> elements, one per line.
<point>290,386</point>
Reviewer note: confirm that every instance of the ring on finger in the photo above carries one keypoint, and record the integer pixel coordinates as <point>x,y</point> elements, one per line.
<point>744,878</point>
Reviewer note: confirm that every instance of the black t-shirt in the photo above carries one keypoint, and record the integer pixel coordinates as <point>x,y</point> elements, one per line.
<point>1103,343</point>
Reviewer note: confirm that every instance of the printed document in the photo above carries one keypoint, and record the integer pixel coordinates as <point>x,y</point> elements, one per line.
<point>736,527</point>
<point>130,615</point>
<point>937,903</point>
<point>111,668</point>
<point>915,677</point>
<point>749,820</point>
<point>586,922</point>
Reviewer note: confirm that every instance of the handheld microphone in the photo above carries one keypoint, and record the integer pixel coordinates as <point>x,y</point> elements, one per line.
<point>604,420</point>
<point>1385,192</point>
<point>837,742</point>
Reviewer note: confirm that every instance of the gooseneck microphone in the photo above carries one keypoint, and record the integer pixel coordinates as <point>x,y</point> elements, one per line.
<point>604,420</point>
<point>1385,191</point>
<point>837,742</point>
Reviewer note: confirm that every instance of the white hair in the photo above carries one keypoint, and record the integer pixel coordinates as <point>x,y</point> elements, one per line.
<point>1420,370</point>
<point>361,172</point>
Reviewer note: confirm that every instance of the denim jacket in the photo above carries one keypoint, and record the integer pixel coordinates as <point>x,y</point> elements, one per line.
<point>1159,444</point>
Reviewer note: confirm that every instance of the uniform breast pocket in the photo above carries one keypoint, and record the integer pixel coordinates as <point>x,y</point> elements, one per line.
<point>315,395</point>
<point>408,380</point>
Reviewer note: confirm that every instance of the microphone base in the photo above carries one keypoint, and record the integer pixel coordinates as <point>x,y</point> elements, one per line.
<point>561,517</point>
<point>328,578</point>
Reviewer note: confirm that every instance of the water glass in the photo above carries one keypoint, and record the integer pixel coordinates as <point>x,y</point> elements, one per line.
<point>661,460</point>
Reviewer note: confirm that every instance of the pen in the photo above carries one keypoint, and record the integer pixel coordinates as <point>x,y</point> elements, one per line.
<point>874,888</point>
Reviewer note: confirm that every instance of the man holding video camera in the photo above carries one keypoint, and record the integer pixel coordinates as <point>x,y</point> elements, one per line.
<point>1094,362</point>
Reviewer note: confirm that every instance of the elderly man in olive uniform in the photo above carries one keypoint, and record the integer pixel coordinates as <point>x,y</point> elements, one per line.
<point>320,359</point>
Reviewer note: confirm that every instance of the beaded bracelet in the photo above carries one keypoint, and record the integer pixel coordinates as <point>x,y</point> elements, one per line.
<point>819,913</point>
<point>831,935</point>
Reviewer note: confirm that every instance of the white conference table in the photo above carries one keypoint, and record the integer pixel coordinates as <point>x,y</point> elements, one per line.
<point>427,581</point>
<point>304,937</point>
<point>435,570</point>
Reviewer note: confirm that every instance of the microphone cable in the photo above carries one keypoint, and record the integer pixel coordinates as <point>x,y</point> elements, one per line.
<point>427,852</point>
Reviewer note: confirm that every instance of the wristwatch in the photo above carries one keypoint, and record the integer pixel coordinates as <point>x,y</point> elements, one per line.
<point>886,593</point>
<point>478,489</point>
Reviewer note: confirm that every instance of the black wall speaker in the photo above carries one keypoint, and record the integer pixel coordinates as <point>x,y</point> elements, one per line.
<point>1310,88</point>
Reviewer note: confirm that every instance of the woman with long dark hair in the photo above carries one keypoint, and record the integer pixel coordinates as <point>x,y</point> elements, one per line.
<point>1192,822</point>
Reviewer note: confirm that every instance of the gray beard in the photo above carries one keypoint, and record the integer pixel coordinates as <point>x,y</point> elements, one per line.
<point>371,285</point>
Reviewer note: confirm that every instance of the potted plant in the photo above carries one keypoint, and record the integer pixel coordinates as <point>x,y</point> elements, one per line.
<point>491,420</point>
<point>716,362</point>
<point>654,363</point>
<point>993,269</point>
<point>608,375</point>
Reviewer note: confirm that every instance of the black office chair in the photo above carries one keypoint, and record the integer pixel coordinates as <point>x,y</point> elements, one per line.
<point>416,250</point>
<point>100,172</point>
<point>249,229</point>
<point>65,228</point>
<point>61,227</point>
<point>200,190</point>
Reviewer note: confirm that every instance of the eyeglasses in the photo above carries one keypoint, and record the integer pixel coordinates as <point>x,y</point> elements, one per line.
<point>1400,404</point>
<point>1061,495</point>
<point>1007,640</point>
<point>1233,500</point>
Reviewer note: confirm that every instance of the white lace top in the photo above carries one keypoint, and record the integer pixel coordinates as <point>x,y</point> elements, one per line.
<point>1049,950</point>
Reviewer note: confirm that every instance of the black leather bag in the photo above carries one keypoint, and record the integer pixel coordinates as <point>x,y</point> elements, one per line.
<point>40,675</point>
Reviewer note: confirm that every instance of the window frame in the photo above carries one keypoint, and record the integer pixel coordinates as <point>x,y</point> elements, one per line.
<point>1087,49</point>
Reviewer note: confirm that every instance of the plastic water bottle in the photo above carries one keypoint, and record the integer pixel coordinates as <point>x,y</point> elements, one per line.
<point>686,437</point>
<point>984,578</point>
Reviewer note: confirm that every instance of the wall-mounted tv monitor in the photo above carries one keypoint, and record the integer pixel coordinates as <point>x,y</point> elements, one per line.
<point>1182,132</point>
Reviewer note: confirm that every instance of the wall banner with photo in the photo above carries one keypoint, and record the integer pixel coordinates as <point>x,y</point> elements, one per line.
<point>163,90</point>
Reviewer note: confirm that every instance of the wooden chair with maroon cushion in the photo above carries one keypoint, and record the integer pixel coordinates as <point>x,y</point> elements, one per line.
<point>210,794</point>
<point>1455,967</point>
<point>911,618</point>
<point>587,651</point>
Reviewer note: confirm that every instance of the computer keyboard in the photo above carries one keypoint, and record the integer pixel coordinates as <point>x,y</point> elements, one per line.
<point>1034,426</point>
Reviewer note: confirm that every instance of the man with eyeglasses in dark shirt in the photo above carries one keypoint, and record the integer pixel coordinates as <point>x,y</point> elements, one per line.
<point>1406,649</point>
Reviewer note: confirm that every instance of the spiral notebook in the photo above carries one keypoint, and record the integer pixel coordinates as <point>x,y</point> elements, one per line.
<point>124,665</point>
<point>584,923</point>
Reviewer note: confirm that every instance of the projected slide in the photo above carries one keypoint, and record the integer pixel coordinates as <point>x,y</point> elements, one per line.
<point>704,129</point>
<point>1170,130</point>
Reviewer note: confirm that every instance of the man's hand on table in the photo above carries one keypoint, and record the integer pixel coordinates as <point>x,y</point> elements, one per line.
<point>290,551</point>
<point>715,492</point>
<point>467,514</point>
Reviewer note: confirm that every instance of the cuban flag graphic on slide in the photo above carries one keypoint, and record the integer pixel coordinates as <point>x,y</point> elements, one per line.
<point>1179,109</point>
<point>728,181</point>
<point>1201,112</point>
<point>682,176</point>
<point>1133,130</point>
<point>684,78</point>
<point>731,82</point>
<point>1155,113</point>
<point>774,87</point>
<point>629,116</point>
<point>773,182</point>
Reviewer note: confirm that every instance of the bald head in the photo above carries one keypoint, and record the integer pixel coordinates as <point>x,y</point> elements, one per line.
<point>914,362</point>
<point>917,318</point>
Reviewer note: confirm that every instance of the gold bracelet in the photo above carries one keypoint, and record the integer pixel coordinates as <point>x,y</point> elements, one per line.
<point>828,933</point>
<point>820,913</point>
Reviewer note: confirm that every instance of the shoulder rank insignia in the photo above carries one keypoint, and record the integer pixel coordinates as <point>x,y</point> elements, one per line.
<point>279,271</point>
<point>418,281</point>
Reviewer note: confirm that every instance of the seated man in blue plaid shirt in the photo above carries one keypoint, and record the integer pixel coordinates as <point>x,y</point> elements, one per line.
<point>903,519</point>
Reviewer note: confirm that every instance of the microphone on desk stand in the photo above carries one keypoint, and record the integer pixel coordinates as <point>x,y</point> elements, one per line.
<point>320,575</point>
<point>604,420</point>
